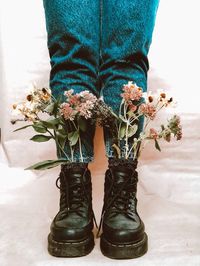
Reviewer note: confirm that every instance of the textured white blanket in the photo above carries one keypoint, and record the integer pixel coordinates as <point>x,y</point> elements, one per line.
<point>169,182</point>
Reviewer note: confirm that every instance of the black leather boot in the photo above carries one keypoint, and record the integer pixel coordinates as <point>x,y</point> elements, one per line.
<point>123,234</point>
<point>71,230</point>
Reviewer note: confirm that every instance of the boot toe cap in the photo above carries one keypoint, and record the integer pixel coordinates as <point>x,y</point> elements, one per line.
<point>123,235</point>
<point>71,232</point>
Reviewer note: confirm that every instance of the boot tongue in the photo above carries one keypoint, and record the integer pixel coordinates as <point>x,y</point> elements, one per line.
<point>77,175</point>
<point>121,175</point>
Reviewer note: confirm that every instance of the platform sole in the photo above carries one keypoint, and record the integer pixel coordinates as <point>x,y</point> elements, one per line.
<point>126,251</point>
<point>70,249</point>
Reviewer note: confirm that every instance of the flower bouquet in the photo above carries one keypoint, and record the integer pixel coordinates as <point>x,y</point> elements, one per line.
<point>53,119</point>
<point>135,107</point>
<point>63,121</point>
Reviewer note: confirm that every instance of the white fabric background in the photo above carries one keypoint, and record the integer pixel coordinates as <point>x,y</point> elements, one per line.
<point>169,185</point>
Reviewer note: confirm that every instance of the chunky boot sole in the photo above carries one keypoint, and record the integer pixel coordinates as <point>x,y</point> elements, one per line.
<point>126,251</point>
<point>70,249</point>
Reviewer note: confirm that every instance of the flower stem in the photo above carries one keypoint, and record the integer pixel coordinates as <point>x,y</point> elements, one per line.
<point>72,153</point>
<point>58,144</point>
<point>80,148</point>
<point>126,145</point>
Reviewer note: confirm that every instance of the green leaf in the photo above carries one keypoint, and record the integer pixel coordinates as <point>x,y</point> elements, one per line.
<point>61,136</point>
<point>40,138</point>
<point>62,130</point>
<point>62,139</point>
<point>50,108</point>
<point>73,137</point>
<point>57,105</point>
<point>82,124</point>
<point>47,164</point>
<point>132,130</point>
<point>157,145</point>
<point>22,128</point>
<point>62,142</point>
<point>51,123</point>
<point>39,127</point>
<point>122,131</point>
<point>131,114</point>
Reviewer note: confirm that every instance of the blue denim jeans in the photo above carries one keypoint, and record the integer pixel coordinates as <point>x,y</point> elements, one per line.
<point>99,45</point>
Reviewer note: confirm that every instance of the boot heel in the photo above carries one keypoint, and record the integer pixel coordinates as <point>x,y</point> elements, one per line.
<point>70,249</point>
<point>124,251</point>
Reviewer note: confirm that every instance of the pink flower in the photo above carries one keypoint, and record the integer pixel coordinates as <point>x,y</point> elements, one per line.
<point>84,110</point>
<point>153,134</point>
<point>74,100</point>
<point>67,111</point>
<point>131,92</point>
<point>78,104</point>
<point>87,96</point>
<point>148,110</point>
<point>68,93</point>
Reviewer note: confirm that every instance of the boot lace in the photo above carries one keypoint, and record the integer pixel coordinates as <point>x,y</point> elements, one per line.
<point>118,198</point>
<point>76,194</point>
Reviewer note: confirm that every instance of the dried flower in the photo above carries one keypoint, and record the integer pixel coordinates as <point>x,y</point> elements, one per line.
<point>150,98</point>
<point>103,114</point>
<point>147,109</point>
<point>166,134</point>
<point>26,109</point>
<point>134,105</point>
<point>131,92</point>
<point>65,125</point>
<point>175,126</point>
<point>36,101</point>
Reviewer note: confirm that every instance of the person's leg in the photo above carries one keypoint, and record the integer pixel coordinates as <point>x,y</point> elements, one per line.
<point>73,34</point>
<point>127,28</point>
<point>126,37</point>
<point>73,42</point>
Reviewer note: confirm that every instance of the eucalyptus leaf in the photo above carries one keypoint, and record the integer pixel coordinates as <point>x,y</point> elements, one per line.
<point>62,131</point>
<point>61,136</point>
<point>39,127</point>
<point>73,137</point>
<point>50,108</point>
<point>47,164</point>
<point>51,123</point>
<point>122,131</point>
<point>131,114</point>
<point>57,105</point>
<point>132,130</point>
<point>62,140</point>
<point>40,138</point>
